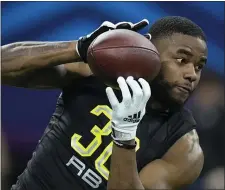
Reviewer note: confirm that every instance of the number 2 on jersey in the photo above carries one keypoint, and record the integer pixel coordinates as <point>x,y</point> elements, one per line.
<point>96,142</point>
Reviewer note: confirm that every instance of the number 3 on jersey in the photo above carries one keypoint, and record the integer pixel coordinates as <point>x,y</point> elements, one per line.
<point>97,141</point>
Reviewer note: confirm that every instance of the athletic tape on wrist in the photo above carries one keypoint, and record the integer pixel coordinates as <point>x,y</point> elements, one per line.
<point>122,136</point>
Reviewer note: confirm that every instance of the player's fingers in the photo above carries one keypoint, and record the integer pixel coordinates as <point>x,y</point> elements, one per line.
<point>137,92</point>
<point>112,97</point>
<point>108,24</point>
<point>148,36</point>
<point>105,26</point>
<point>124,25</point>
<point>125,91</point>
<point>146,90</point>
<point>139,25</point>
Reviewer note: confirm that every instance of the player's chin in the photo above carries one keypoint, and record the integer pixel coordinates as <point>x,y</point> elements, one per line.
<point>179,97</point>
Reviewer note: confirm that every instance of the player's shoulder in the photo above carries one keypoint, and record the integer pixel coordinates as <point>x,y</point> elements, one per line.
<point>191,148</point>
<point>191,136</point>
<point>180,123</point>
<point>190,139</point>
<point>187,156</point>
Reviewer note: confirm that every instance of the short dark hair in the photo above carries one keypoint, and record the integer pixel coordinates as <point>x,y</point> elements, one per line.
<point>169,25</point>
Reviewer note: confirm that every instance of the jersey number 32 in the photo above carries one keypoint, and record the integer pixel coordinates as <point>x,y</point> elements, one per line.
<point>97,141</point>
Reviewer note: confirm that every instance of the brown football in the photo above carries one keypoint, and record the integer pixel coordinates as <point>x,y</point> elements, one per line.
<point>123,53</point>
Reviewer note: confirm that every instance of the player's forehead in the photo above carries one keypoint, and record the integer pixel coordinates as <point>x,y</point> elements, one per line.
<point>188,43</point>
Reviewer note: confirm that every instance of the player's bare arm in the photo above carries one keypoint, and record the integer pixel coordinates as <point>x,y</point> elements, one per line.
<point>123,168</point>
<point>52,64</point>
<point>33,64</point>
<point>179,167</point>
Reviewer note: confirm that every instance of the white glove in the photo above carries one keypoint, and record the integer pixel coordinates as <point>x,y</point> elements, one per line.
<point>127,114</point>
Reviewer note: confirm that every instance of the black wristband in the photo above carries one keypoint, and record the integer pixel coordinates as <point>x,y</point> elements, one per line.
<point>125,146</point>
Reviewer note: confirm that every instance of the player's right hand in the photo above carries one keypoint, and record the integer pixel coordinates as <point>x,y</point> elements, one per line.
<point>85,41</point>
<point>126,115</point>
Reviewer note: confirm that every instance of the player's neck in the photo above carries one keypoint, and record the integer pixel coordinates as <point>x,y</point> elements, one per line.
<point>156,105</point>
<point>161,107</point>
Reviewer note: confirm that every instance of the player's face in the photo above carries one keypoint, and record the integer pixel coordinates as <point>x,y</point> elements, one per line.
<point>183,58</point>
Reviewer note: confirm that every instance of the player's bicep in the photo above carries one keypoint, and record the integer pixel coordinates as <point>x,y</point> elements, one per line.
<point>179,167</point>
<point>160,174</point>
<point>156,175</point>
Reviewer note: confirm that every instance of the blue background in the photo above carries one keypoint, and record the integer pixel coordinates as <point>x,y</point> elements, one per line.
<point>69,20</point>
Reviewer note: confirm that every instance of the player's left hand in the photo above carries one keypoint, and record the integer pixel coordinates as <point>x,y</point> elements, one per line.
<point>85,41</point>
<point>127,114</point>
